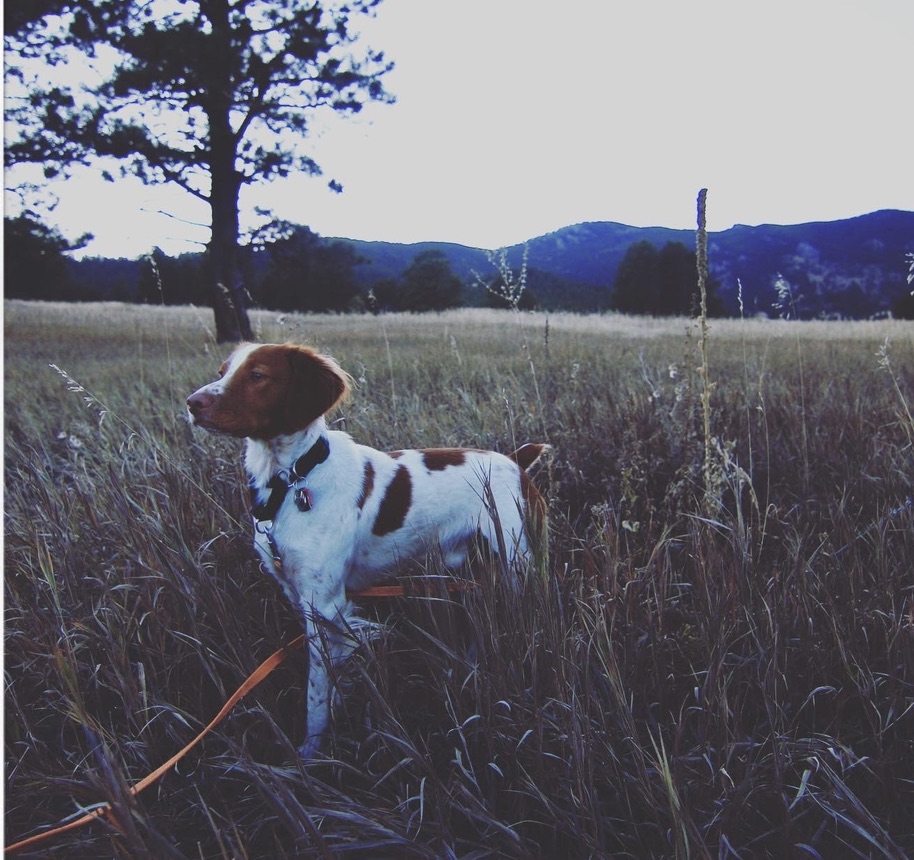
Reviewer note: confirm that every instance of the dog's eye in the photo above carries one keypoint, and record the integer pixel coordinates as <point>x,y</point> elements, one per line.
<point>257,376</point>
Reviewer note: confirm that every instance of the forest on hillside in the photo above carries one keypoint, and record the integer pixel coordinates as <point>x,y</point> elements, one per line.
<point>835,270</point>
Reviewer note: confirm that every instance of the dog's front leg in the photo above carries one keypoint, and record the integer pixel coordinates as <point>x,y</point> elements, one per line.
<point>318,684</point>
<point>329,642</point>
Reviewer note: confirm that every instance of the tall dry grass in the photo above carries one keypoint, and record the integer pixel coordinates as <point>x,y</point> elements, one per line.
<point>715,660</point>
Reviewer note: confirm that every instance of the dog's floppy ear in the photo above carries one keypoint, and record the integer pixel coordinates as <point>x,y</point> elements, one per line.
<point>318,385</point>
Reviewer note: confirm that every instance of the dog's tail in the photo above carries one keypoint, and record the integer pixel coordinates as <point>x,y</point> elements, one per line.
<point>528,454</point>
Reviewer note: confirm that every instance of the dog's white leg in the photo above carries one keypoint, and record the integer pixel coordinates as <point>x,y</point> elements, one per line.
<point>329,642</point>
<point>318,693</point>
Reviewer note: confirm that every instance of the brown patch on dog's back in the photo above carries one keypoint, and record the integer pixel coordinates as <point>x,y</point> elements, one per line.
<point>438,459</point>
<point>395,505</point>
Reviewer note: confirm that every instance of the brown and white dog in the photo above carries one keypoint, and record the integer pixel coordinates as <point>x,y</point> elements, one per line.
<point>332,515</point>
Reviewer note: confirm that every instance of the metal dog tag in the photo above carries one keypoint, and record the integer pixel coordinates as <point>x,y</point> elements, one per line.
<point>303,500</point>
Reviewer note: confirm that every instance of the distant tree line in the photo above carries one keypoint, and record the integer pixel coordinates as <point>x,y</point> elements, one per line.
<point>300,271</point>
<point>35,264</point>
<point>303,272</point>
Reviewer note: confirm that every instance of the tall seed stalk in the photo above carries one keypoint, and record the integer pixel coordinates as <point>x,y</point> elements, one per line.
<point>701,257</point>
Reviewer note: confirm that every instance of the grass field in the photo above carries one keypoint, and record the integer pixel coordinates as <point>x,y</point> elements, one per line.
<point>715,660</point>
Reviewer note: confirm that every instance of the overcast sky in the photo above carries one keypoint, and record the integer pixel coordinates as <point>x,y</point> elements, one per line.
<point>518,117</point>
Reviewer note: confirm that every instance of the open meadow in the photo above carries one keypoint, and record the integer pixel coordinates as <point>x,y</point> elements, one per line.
<point>714,659</point>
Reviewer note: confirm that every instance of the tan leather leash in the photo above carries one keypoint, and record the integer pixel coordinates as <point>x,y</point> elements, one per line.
<point>423,586</point>
<point>258,675</point>
<point>252,681</point>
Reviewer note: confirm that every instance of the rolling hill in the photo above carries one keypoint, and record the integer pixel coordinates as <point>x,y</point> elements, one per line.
<point>853,267</point>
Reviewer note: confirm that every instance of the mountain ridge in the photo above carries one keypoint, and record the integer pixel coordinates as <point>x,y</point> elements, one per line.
<point>849,267</point>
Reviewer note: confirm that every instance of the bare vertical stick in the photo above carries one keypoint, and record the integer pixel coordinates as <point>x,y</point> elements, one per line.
<point>701,257</point>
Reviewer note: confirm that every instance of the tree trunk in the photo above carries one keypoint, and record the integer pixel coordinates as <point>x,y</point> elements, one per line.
<point>227,291</point>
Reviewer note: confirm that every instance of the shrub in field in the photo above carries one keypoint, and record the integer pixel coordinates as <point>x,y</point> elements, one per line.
<point>715,657</point>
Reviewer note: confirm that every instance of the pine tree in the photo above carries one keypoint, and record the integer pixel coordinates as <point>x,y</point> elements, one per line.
<point>661,282</point>
<point>429,284</point>
<point>210,95</point>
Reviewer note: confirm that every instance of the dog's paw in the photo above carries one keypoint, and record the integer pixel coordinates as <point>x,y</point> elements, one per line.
<point>310,748</point>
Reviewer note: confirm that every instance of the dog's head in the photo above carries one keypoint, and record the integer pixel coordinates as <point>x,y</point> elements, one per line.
<point>268,390</point>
